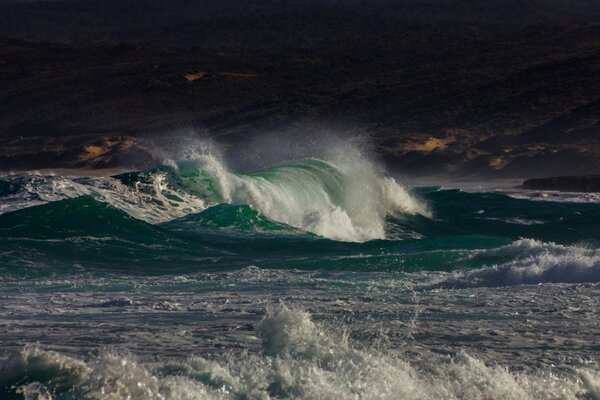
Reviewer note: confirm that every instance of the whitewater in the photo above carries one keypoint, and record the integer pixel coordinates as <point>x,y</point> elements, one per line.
<point>347,202</point>
<point>318,277</point>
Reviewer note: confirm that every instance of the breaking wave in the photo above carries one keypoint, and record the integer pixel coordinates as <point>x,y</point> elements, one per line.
<point>300,359</point>
<point>344,201</point>
<point>532,262</point>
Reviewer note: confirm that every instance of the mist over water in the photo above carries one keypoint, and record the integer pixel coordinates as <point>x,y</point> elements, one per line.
<point>299,359</point>
<point>315,274</point>
<point>343,197</point>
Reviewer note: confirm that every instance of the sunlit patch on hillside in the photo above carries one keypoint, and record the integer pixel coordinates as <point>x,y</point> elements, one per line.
<point>429,145</point>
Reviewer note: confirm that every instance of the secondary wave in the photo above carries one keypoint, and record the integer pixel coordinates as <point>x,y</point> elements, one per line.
<point>528,261</point>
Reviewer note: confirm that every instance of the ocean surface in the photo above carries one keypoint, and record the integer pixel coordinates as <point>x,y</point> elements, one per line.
<point>308,279</point>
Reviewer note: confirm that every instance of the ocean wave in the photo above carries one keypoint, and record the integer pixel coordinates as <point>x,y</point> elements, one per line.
<point>149,197</point>
<point>300,359</point>
<point>532,262</point>
<point>346,201</point>
<point>554,196</point>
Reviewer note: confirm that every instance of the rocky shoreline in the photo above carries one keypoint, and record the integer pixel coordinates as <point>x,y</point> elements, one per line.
<point>588,183</point>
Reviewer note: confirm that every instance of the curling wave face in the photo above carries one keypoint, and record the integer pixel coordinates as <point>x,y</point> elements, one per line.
<point>347,202</point>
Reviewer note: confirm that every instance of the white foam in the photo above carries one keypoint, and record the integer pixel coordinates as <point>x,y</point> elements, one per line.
<point>534,262</point>
<point>301,360</point>
<point>152,200</point>
<point>348,200</point>
<point>549,195</point>
<point>518,221</point>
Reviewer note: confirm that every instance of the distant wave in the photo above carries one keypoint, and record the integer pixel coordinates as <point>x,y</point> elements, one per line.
<point>532,262</point>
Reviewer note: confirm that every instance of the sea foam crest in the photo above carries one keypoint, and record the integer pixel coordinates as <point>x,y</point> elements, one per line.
<point>343,200</point>
<point>532,262</point>
<point>149,198</point>
<point>300,360</point>
<point>346,202</point>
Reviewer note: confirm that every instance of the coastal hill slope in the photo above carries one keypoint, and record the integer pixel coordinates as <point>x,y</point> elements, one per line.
<point>440,87</point>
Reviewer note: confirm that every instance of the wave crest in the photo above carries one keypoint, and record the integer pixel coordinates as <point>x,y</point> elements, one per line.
<point>533,262</point>
<point>347,202</point>
<point>340,202</point>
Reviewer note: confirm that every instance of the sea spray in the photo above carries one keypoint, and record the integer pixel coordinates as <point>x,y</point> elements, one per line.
<point>348,202</point>
<point>300,359</point>
<point>530,261</point>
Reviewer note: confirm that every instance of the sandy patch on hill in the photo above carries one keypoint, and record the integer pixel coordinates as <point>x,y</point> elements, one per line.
<point>429,145</point>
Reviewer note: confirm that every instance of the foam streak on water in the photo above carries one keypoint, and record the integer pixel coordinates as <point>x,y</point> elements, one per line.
<point>299,359</point>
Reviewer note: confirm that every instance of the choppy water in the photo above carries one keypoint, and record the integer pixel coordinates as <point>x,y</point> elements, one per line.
<point>311,279</point>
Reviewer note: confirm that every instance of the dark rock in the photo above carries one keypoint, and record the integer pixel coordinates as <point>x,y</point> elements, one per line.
<point>589,183</point>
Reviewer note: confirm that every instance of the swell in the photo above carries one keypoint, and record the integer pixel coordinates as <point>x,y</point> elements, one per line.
<point>197,215</point>
<point>83,234</point>
<point>494,214</point>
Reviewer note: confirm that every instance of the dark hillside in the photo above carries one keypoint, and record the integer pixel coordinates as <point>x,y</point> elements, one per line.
<point>451,86</point>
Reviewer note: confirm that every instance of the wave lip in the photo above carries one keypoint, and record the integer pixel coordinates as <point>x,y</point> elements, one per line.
<point>345,201</point>
<point>342,200</point>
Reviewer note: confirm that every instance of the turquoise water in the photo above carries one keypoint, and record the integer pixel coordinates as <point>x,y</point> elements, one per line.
<point>51,238</point>
<point>310,279</point>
